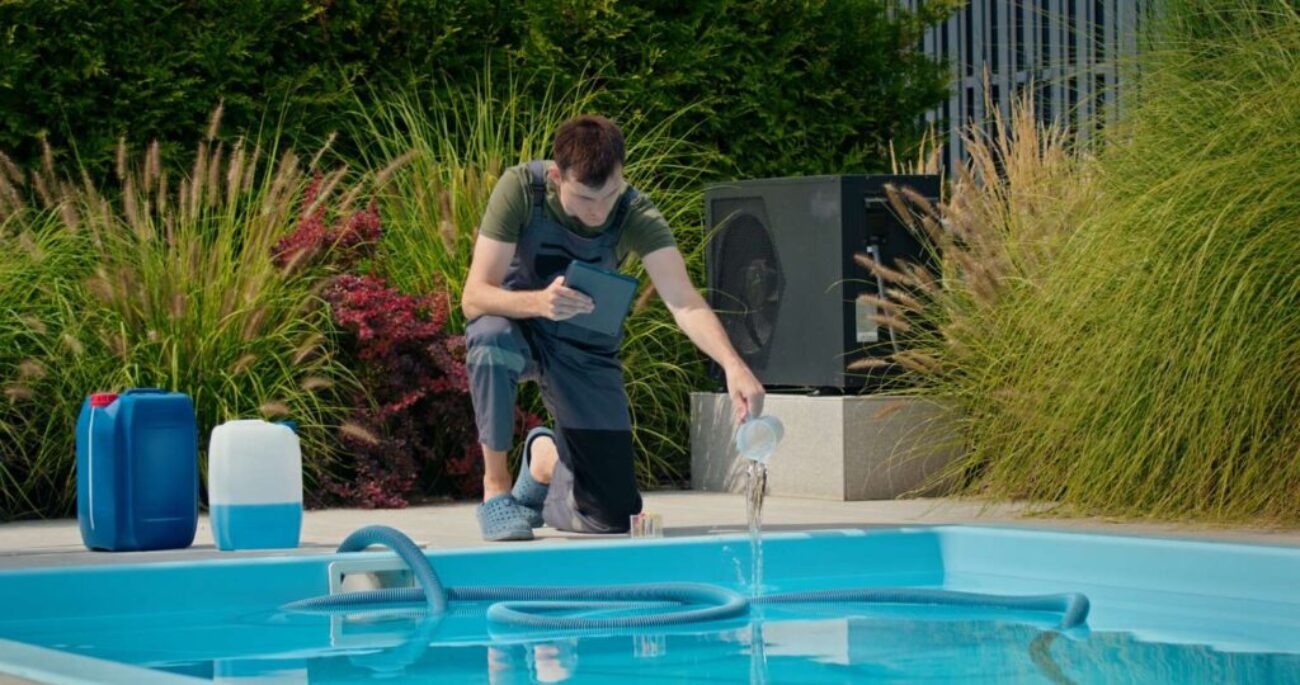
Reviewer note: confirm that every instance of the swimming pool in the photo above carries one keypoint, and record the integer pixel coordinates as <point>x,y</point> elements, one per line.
<point>1162,611</point>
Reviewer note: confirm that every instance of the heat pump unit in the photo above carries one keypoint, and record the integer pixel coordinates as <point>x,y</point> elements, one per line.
<point>782,276</point>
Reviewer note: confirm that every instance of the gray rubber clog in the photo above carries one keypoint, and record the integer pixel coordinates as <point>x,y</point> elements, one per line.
<point>502,518</point>
<point>530,494</point>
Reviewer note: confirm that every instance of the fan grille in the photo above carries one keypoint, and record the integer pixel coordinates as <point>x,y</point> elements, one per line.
<point>748,285</point>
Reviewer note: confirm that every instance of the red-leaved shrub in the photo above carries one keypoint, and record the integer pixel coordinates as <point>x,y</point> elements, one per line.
<point>342,245</point>
<point>421,422</point>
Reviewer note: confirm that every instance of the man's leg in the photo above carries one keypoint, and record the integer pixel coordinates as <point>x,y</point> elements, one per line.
<point>593,484</point>
<point>496,471</point>
<point>497,356</point>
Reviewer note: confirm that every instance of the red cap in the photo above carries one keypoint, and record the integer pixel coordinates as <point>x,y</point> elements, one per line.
<point>102,399</point>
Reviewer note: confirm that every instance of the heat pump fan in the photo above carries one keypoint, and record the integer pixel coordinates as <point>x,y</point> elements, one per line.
<point>749,282</point>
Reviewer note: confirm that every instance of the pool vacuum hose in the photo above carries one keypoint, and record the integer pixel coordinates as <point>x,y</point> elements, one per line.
<point>533,606</point>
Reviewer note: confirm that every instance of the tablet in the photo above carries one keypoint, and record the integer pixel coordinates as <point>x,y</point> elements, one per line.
<point>612,292</point>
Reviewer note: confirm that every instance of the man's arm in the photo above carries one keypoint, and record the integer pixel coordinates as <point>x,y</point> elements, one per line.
<point>483,293</point>
<point>667,270</point>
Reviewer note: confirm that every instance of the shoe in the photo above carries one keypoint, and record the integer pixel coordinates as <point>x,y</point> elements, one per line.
<point>501,518</point>
<point>530,494</point>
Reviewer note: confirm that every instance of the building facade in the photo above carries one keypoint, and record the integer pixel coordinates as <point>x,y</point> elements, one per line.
<point>1074,53</point>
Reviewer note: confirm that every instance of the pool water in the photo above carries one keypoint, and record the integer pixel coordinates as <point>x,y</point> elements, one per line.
<point>1162,611</point>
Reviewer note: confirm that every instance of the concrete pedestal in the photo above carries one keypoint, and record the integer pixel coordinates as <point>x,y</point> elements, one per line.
<point>839,448</point>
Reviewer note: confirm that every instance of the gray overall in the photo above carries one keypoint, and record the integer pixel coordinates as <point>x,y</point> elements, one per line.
<point>579,373</point>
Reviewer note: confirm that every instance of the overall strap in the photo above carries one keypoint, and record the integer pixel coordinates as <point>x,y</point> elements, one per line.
<point>537,183</point>
<point>615,230</point>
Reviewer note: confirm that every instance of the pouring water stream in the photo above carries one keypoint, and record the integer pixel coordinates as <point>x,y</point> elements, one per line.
<point>756,440</point>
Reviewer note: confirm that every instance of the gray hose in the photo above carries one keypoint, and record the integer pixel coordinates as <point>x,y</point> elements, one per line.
<point>1073,607</point>
<point>514,604</point>
<point>522,606</point>
<point>432,591</point>
<point>517,605</point>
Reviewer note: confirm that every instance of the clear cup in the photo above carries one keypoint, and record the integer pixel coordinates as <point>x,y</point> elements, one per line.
<point>757,438</point>
<point>645,525</point>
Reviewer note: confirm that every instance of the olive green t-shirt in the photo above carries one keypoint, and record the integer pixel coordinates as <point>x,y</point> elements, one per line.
<point>508,208</point>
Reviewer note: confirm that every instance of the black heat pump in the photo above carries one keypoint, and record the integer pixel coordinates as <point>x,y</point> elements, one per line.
<point>783,279</point>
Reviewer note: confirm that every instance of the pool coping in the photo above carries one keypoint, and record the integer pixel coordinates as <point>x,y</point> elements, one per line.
<point>36,544</point>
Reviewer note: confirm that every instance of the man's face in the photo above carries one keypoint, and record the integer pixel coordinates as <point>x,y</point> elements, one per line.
<point>589,205</point>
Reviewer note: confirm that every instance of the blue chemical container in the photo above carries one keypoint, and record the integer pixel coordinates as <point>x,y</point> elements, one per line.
<point>137,470</point>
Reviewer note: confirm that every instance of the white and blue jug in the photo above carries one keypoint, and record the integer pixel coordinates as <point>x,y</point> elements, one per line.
<point>255,485</point>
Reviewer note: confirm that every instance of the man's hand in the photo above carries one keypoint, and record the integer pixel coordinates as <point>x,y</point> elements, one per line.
<point>745,391</point>
<point>558,302</point>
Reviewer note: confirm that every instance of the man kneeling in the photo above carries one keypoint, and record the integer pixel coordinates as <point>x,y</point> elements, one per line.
<point>542,215</point>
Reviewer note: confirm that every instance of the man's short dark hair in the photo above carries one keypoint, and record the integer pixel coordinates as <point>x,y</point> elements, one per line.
<point>588,148</point>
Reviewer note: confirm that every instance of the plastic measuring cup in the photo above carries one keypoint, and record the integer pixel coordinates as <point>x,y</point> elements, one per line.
<point>757,438</point>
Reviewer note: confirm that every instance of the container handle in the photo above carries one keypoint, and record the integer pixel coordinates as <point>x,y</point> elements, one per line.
<point>144,391</point>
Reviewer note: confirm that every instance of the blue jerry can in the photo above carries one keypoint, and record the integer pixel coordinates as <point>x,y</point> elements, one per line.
<point>137,470</point>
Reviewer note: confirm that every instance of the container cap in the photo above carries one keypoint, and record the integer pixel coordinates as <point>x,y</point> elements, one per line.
<point>102,399</point>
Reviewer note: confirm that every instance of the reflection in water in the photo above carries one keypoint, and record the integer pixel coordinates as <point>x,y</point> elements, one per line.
<point>543,662</point>
<point>794,643</point>
<point>394,661</point>
<point>1040,651</point>
<point>757,654</point>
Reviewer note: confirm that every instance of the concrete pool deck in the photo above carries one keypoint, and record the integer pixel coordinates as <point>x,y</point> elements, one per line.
<point>55,543</point>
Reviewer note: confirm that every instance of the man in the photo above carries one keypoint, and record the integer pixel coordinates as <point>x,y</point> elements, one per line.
<point>541,216</point>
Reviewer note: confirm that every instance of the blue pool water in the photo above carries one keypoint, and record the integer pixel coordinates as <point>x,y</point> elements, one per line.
<point>1162,611</point>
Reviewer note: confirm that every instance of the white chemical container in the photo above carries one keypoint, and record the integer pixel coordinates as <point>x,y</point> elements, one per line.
<point>255,485</point>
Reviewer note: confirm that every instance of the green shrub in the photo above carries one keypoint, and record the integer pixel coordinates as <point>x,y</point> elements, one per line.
<point>780,87</point>
<point>89,72</point>
<point>1124,333</point>
<point>168,282</point>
